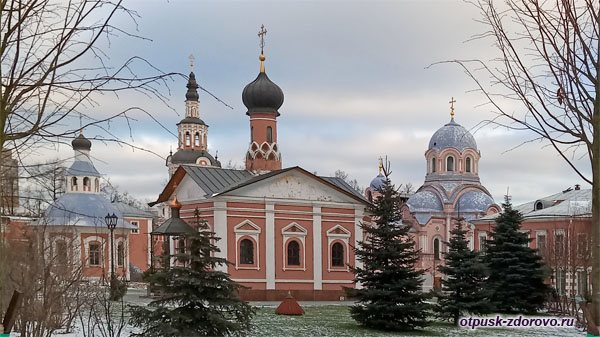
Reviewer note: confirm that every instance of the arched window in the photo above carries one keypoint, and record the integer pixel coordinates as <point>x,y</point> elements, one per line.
<point>86,184</point>
<point>436,249</point>
<point>246,252</point>
<point>187,139</point>
<point>293,253</point>
<point>181,246</point>
<point>337,255</point>
<point>94,254</point>
<point>61,252</point>
<point>450,164</point>
<point>269,134</point>
<point>74,184</point>
<point>433,165</point>
<point>121,254</point>
<point>97,185</point>
<point>197,139</point>
<point>468,164</point>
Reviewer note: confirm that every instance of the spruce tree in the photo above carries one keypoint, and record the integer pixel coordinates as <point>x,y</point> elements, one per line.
<point>463,288</point>
<point>198,300</point>
<point>516,280</point>
<point>391,296</point>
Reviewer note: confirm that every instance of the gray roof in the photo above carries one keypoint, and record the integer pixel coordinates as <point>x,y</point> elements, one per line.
<point>474,201</point>
<point>425,201</point>
<point>174,226</point>
<point>215,179</point>
<point>341,183</point>
<point>452,135</point>
<point>82,209</point>
<point>564,204</point>
<point>133,212</point>
<point>192,120</point>
<point>190,157</point>
<point>82,168</point>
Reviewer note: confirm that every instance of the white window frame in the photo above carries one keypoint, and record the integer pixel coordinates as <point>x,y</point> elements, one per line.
<point>135,223</point>
<point>240,234</point>
<point>344,237</point>
<point>300,236</point>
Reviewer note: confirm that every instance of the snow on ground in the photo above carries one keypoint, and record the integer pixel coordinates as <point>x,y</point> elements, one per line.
<point>333,319</point>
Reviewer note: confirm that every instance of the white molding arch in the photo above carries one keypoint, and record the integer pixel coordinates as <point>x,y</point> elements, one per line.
<point>338,234</point>
<point>294,231</point>
<point>253,233</point>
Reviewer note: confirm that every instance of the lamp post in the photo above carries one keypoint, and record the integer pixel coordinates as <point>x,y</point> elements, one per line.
<point>111,223</point>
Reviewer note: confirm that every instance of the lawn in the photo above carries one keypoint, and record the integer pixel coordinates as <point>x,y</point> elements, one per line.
<point>335,320</point>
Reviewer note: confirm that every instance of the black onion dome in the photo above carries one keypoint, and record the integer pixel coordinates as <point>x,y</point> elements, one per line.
<point>192,85</point>
<point>81,143</point>
<point>262,95</point>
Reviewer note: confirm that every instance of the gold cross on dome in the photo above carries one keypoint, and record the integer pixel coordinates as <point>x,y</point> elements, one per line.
<point>192,59</point>
<point>452,101</point>
<point>261,35</point>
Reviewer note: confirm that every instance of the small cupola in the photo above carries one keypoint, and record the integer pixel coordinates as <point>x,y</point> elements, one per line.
<point>80,143</point>
<point>192,85</point>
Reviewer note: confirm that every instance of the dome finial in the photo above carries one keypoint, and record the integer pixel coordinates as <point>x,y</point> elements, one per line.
<point>261,35</point>
<point>380,165</point>
<point>452,101</point>
<point>192,59</point>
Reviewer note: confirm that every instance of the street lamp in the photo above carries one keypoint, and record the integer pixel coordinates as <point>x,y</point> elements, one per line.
<point>111,223</point>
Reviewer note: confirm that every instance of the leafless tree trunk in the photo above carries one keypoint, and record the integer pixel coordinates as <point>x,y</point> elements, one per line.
<point>545,79</point>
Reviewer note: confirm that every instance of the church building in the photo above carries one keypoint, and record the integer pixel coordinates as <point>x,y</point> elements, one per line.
<point>282,229</point>
<point>452,190</point>
<point>75,227</point>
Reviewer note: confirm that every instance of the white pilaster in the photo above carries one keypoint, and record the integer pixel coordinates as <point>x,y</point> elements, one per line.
<point>358,236</point>
<point>317,249</point>
<point>220,229</point>
<point>270,245</point>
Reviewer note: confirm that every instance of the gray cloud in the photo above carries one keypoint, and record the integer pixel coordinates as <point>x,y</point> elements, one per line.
<point>356,86</point>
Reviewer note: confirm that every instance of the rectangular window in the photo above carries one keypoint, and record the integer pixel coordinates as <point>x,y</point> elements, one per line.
<point>561,281</point>
<point>582,245</point>
<point>559,244</point>
<point>540,241</point>
<point>136,225</point>
<point>482,243</point>
<point>582,283</point>
<point>94,254</point>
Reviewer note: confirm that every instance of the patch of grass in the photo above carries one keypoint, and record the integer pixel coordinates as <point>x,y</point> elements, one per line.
<point>335,320</point>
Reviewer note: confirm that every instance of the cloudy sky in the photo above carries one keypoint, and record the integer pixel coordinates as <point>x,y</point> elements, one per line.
<point>356,81</point>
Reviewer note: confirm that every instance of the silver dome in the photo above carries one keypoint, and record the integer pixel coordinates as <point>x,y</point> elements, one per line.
<point>452,135</point>
<point>474,201</point>
<point>377,182</point>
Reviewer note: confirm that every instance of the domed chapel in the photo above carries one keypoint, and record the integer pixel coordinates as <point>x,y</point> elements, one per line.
<point>452,190</point>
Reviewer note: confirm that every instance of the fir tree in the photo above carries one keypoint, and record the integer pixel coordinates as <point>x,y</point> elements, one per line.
<point>463,289</point>
<point>391,296</point>
<point>198,300</point>
<point>516,279</point>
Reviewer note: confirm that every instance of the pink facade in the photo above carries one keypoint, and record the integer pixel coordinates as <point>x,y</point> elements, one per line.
<point>276,243</point>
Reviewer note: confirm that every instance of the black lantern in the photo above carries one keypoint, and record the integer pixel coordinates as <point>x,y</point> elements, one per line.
<point>111,223</point>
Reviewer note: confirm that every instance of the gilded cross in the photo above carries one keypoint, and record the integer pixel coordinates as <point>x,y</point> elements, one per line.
<point>261,35</point>
<point>452,101</point>
<point>192,59</point>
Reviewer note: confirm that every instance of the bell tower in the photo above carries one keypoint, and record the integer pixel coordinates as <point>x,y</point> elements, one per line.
<point>263,98</point>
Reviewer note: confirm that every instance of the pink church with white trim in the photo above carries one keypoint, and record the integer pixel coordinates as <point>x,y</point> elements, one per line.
<point>281,229</point>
